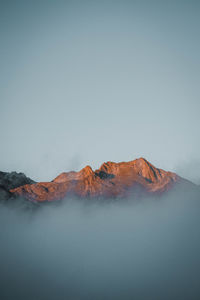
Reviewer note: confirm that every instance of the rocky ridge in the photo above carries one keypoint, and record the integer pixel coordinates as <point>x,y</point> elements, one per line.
<point>10,181</point>
<point>111,180</point>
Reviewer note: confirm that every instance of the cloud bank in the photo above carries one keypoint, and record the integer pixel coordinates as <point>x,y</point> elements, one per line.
<point>119,250</point>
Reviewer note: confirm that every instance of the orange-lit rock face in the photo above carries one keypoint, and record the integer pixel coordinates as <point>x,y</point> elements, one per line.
<point>110,180</point>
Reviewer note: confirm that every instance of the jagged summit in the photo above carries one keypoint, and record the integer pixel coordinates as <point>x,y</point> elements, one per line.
<point>110,180</point>
<point>86,171</point>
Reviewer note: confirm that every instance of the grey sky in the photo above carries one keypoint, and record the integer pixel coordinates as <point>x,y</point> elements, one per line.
<point>84,82</point>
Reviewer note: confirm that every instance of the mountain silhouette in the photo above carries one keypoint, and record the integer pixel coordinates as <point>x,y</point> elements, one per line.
<point>111,180</point>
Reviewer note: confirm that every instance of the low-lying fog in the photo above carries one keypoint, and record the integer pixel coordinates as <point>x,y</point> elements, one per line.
<point>123,250</point>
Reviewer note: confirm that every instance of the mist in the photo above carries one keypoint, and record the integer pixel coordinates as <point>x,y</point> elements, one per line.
<point>147,249</point>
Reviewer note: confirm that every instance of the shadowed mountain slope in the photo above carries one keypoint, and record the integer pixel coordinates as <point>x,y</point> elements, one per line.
<point>10,181</point>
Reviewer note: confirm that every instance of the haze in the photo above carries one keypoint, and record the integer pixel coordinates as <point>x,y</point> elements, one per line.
<point>83,82</point>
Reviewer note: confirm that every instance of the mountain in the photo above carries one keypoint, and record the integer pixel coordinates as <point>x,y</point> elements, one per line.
<point>111,180</point>
<point>10,181</point>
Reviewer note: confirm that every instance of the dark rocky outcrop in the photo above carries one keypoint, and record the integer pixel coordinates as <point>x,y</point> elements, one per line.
<point>10,181</point>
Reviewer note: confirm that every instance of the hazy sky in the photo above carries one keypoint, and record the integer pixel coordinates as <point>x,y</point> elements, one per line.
<point>82,82</point>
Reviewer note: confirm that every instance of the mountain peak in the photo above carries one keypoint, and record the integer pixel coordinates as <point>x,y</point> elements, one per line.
<point>110,180</point>
<point>86,171</point>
